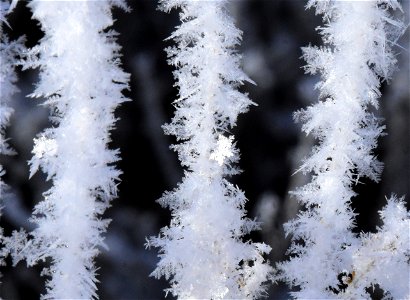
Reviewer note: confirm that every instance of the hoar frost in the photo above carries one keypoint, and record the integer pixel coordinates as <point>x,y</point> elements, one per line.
<point>10,51</point>
<point>328,260</point>
<point>223,149</point>
<point>201,251</point>
<point>82,82</point>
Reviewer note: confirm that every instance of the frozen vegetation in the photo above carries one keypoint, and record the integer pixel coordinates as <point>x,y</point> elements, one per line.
<point>212,246</point>
<point>203,241</point>
<point>352,63</point>
<point>81,80</point>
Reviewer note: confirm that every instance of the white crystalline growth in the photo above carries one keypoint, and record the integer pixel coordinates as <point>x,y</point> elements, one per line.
<point>223,149</point>
<point>82,82</point>
<point>201,252</point>
<point>357,55</point>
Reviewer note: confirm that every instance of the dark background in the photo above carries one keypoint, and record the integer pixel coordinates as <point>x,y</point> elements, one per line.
<point>271,144</point>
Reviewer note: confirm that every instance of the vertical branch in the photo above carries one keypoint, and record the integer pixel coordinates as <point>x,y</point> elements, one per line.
<point>9,52</point>
<point>82,80</point>
<point>201,252</point>
<point>358,37</point>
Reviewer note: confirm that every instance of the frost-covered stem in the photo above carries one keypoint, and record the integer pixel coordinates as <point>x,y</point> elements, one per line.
<point>357,57</point>
<point>82,83</point>
<point>383,258</point>
<point>202,251</point>
<point>8,53</point>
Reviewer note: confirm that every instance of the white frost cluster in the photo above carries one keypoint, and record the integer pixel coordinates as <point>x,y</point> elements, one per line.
<point>9,51</point>
<point>201,251</point>
<point>82,80</point>
<point>383,257</point>
<point>327,259</point>
<point>223,149</point>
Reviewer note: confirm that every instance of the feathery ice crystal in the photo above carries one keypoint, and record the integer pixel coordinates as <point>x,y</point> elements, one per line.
<point>82,81</point>
<point>9,52</point>
<point>328,259</point>
<point>201,251</point>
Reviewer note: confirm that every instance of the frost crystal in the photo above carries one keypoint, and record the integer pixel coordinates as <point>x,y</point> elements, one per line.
<point>324,263</point>
<point>201,252</point>
<point>223,149</point>
<point>82,82</point>
<point>9,52</point>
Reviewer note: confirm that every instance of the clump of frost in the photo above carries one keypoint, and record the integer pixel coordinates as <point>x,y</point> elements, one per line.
<point>201,252</point>
<point>383,257</point>
<point>223,149</point>
<point>327,258</point>
<point>82,82</point>
<point>9,53</point>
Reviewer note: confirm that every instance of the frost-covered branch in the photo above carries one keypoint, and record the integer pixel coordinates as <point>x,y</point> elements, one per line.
<point>9,52</point>
<point>383,257</point>
<point>201,251</point>
<point>82,80</point>
<point>357,56</point>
